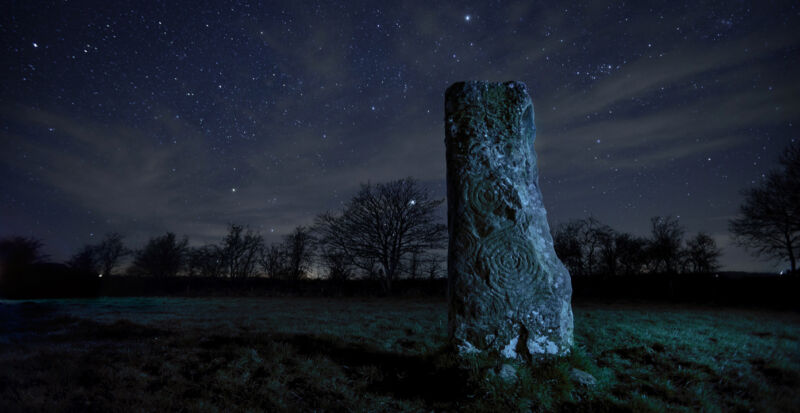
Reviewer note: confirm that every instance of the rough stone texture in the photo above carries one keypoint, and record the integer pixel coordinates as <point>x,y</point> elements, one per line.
<point>509,294</point>
<point>582,378</point>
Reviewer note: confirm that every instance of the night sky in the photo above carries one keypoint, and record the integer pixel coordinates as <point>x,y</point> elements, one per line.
<point>146,117</point>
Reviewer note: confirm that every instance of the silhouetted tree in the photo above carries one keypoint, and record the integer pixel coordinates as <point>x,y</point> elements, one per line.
<point>109,252</point>
<point>369,266</point>
<point>413,264</point>
<point>592,231</point>
<point>664,249</point>
<point>568,246</point>
<point>17,253</point>
<point>85,260</point>
<point>240,252</point>
<point>631,253</point>
<point>273,261</point>
<point>161,257</point>
<point>24,274</point>
<point>205,261</point>
<point>702,254</point>
<point>579,245</point>
<point>434,266</point>
<point>384,222</point>
<point>769,219</point>
<point>299,247</point>
<point>337,266</point>
<point>608,252</point>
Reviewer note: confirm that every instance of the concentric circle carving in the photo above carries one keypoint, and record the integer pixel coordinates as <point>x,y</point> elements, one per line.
<point>484,196</point>
<point>510,262</point>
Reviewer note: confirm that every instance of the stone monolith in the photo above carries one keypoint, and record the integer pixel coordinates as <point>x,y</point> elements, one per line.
<point>509,294</point>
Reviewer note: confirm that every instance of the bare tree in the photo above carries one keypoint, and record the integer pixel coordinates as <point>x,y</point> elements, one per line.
<point>17,253</point>
<point>568,246</point>
<point>580,246</point>
<point>384,223</point>
<point>769,219</point>
<point>702,254</point>
<point>240,252</point>
<point>369,266</point>
<point>591,233</point>
<point>205,261</point>
<point>109,252</point>
<point>299,247</point>
<point>338,267</point>
<point>608,252</point>
<point>85,260</point>
<point>161,257</point>
<point>413,265</point>
<point>273,261</point>
<point>434,267</point>
<point>664,249</point>
<point>631,253</point>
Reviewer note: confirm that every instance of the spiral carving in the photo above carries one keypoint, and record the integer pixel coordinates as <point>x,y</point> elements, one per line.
<point>510,262</point>
<point>484,196</point>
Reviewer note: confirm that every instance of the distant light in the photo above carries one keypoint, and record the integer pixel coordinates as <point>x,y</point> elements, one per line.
<point>35,44</point>
<point>100,275</point>
<point>233,189</point>
<point>412,202</point>
<point>467,18</point>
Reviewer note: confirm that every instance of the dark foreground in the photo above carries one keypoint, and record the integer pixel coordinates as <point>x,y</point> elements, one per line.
<point>291,354</point>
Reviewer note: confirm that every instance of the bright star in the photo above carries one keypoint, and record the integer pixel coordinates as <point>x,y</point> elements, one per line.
<point>467,17</point>
<point>233,189</point>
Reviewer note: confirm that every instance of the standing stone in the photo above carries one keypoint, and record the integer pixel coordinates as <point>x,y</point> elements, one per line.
<point>509,294</point>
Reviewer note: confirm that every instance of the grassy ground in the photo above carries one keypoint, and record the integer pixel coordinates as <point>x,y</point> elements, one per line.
<point>229,354</point>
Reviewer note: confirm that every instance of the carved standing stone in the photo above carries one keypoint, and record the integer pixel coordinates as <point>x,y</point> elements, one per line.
<point>509,294</point>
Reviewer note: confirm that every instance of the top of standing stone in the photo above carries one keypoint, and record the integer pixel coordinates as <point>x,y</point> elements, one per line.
<point>485,93</point>
<point>488,108</point>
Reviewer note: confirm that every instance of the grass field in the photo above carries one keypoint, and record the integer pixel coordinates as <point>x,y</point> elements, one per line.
<point>300,354</point>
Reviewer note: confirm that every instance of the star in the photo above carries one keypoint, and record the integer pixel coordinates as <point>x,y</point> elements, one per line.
<point>183,96</point>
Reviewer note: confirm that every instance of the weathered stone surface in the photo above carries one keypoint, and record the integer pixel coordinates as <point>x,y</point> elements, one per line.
<point>509,294</point>
<point>582,378</point>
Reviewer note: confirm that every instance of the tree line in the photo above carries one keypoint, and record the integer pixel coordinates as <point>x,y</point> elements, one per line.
<point>392,230</point>
<point>588,248</point>
<point>386,231</point>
